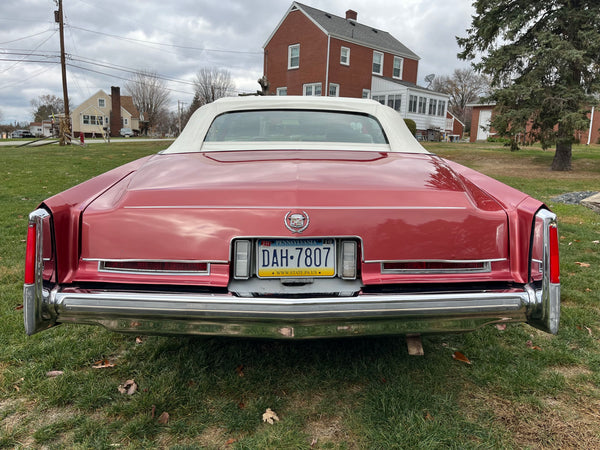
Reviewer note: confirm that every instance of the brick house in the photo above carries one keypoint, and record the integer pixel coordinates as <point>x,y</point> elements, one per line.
<point>313,52</point>
<point>482,115</point>
<point>102,110</point>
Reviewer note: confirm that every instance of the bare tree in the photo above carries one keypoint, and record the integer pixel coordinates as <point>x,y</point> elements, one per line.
<point>150,96</point>
<point>46,105</point>
<point>464,86</point>
<point>212,83</point>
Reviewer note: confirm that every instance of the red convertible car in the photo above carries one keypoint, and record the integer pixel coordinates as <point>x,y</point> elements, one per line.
<point>292,217</point>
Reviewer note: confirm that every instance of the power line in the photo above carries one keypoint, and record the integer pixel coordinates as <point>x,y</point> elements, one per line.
<point>26,37</point>
<point>184,47</point>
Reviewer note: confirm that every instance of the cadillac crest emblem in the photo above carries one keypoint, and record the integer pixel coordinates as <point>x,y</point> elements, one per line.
<point>296,222</point>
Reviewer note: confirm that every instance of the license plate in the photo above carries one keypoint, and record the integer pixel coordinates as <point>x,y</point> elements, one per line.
<point>283,258</point>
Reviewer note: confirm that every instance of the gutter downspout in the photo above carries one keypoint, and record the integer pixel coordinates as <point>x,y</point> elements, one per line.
<point>327,67</point>
<point>591,123</point>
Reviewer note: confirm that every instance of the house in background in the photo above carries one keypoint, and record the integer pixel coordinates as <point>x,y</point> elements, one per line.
<point>102,111</point>
<point>482,115</point>
<point>313,52</point>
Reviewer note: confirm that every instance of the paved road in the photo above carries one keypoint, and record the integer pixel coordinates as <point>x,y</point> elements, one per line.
<point>167,141</point>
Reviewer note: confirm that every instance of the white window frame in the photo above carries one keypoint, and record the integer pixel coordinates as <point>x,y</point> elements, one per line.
<point>101,103</point>
<point>290,57</point>
<point>422,108</point>
<point>337,89</point>
<point>441,108</point>
<point>85,119</point>
<point>394,101</point>
<point>376,53</point>
<point>282,90</point>
<point>345,56</point>
<point>125,121</point>
<point>432,106</point>
<point>399,62</point>
<point>313,89</point>
<point>366,93</point>
<point>379,98</point>
<point>413,101</point>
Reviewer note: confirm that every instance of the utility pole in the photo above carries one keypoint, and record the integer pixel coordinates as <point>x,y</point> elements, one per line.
<point>65,124</point>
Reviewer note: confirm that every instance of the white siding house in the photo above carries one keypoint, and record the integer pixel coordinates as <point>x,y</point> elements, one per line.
<point>427,108</point>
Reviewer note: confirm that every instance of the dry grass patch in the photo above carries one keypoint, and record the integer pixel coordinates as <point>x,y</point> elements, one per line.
<point>558,424</point>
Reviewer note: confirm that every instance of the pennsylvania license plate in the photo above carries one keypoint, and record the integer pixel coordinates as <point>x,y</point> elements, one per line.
<point>282,258</point>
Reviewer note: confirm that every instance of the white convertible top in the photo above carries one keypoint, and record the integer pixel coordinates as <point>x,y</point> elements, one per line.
<point>192,137</point>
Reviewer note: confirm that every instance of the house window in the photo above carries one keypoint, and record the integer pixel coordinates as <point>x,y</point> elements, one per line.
<point>395,101</point>
<point>345,56</point>
<point>412,104</point>
<point>378,63</point>
<point>432,107</point>
<point>282,91</point>
<point>422,105</point>
<point>398,63</point>
<point>334,90</point>
<point>379,98</point>
<point>441,108</point>
<point>101,103</point>
<point>366,93</point>
<point>312,89</point>
<point>86,119</point>
<point>125,121</point>
<point>294,56</point>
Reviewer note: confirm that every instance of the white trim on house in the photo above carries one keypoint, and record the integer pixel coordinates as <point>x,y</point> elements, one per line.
<point>291,48</point>
<point>347,63</point>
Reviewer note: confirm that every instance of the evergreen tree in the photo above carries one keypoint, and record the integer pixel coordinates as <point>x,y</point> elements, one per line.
<point>543,58</point>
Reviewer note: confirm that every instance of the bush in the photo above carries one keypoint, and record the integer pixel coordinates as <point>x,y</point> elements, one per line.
<point>412,126</point>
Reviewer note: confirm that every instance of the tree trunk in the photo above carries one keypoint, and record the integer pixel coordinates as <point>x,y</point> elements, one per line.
<point>562,157</point>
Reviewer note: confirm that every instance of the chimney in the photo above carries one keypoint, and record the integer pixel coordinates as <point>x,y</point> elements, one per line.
<point>115,111</point>
<point>351,15</point>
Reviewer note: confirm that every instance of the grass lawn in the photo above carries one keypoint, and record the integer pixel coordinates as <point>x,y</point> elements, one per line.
<point>523,388</point>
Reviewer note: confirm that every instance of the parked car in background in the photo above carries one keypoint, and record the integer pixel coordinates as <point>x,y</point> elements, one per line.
<point>126,132</point>
<point>21,134</point>
<point>292,217</point>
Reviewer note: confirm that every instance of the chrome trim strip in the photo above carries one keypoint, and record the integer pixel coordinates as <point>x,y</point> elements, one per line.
<point>487,267</point>
<point>102,268</point>
<point>419,208</point>
<point>193,261</point>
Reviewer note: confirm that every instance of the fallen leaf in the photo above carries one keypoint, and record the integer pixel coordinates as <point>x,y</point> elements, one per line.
<point>270,416</point>
<point>54,373</point>
<point>533,347</point>
<point>501,326</point>
<point>562,238</point>
<point>129,387</point>
<point>230,441</point>
<point>19,308</point>
<point>460,357</point>
<point>588,290</point>
<point>241,405</point>
<point>163,419</point>
<point>589,330</point>
<point>153,411</point>
<point>313,442</point>
<point>595,242</point>
<point>582,264</point>
<point>240,370</point>
<point>138,340</point>
<point>428,416</point>
<point>102,364</point>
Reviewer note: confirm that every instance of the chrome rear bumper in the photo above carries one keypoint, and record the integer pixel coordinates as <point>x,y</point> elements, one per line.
<point>224,314</point>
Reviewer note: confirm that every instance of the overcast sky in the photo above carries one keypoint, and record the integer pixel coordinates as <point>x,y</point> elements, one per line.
<point>107,40</point>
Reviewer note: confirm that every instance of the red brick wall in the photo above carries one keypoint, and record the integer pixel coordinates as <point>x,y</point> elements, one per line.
<point>296,29</point>
<point>299,29</point>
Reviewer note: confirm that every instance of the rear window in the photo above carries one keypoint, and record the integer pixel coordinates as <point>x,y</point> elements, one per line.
<point>294,126</point>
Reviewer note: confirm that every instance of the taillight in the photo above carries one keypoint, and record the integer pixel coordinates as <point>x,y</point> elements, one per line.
<point>30,254</point>
<point>554,258</point>
<point>544,261</point>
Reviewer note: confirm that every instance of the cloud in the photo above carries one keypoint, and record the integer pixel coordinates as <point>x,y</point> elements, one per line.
<point>175,39</point>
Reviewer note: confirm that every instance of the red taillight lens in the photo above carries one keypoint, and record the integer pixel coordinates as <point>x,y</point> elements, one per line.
<point>30,254</point>
<point>554,257</point>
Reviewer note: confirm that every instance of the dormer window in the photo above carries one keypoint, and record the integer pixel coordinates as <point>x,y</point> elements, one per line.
<point>101,103</point>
